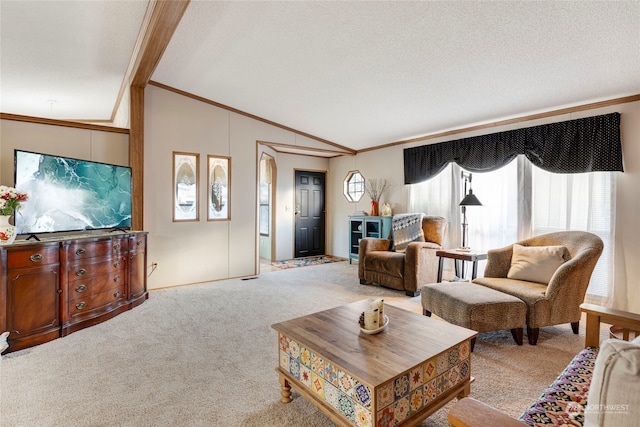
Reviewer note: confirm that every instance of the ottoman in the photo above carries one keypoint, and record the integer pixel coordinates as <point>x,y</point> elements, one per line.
<point>475,307</point>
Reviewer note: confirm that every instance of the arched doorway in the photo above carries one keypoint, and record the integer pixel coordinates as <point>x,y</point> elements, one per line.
<point>266,197</point>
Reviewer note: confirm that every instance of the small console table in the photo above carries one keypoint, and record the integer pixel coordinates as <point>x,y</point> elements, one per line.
<point>461,256</point>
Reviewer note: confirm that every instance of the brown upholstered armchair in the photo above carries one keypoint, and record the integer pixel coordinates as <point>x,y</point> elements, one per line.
<point>558,301</point>
<point>408,270</point>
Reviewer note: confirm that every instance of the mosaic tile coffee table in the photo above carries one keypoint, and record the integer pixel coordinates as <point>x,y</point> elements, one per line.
<point>397,377</point>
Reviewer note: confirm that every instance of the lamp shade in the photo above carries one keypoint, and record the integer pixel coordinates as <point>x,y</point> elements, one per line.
<point>470,200</point>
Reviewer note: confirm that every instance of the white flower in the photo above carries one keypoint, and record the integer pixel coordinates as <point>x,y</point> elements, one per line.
<point>10,200</point>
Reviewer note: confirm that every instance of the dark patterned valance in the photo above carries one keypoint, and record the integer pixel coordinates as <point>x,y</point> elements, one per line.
<point>583,145</point>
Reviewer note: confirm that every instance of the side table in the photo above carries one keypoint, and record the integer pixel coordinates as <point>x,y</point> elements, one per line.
<point>462,256</point>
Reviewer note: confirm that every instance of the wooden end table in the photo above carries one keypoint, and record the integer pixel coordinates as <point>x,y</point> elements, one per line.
<point>399,376</point>
<point>462,256</point>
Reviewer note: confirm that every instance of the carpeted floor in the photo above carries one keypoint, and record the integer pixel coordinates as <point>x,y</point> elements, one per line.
<point>307,261</point>
<point>204,355</point>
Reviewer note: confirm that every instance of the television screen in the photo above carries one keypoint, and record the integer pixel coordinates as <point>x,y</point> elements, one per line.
<point>68,194</point>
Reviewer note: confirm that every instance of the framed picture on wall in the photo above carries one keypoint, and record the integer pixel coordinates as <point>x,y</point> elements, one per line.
<point>218,188</point>
<point>186,172</point>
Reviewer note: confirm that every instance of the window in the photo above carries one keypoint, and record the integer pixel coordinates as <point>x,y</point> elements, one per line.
<point>354,186</point>
<point>264,199</point>
<point>521,200</point>
<point>580,202</point>
<point>492,225</point>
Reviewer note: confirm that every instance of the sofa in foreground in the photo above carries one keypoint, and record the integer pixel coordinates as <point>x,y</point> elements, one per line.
<point>599,387</point>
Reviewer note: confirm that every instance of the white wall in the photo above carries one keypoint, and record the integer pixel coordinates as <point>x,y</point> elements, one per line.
<point>192,252</point>
<point>385,163</point>
<point>388,163</point>
<point>107,147</point>
<point>627,250</point>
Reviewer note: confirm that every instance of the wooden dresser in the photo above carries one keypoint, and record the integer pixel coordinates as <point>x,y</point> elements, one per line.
<point>52,288</point>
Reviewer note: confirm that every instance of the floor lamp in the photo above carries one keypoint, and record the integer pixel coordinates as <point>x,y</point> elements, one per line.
<point>469,200</point>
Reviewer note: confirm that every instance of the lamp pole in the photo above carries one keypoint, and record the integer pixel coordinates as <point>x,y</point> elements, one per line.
<point>469,200</point>
<point>466,178</point>
<point>464,227</point>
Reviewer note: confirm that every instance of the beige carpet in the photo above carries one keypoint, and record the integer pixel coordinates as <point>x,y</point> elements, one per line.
<point>204,355</point>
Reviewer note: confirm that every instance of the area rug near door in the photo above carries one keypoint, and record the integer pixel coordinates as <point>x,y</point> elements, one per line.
<point>303,262</point>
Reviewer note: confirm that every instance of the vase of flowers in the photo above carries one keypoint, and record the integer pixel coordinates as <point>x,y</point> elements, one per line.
<point>375,188</point>
<point>10,203</point>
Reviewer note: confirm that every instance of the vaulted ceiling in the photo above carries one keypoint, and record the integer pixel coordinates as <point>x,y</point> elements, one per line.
<point>357,73</point>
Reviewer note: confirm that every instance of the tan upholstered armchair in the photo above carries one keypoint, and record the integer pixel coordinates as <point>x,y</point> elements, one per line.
<point>409,270</point>
<point>558,301</point>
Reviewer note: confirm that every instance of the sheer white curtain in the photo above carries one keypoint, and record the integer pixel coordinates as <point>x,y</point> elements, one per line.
<point>495,223</point>
<point>440,196</point>
<point>492,225</point>
<point>585,202</point>
<point>520,201</point>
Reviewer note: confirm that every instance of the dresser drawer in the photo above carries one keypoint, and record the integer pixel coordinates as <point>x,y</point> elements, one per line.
<point>97,301</point>
<point>84,250</point>
<point>95,285</point>
<point>87,270</point>
<point>137,243</point>
<point>33,258</point>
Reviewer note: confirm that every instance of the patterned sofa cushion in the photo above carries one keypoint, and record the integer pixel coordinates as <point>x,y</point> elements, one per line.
<point>563,402</point>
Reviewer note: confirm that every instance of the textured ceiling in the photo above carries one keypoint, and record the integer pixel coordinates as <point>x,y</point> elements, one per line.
<point>66,59</point>
<point>359,73</point>
<point>368,73</point>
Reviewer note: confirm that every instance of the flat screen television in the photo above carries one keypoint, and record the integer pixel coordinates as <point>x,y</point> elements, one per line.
<point>67,194</point>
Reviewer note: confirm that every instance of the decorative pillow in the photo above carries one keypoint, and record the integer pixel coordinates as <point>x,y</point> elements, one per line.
<point>535,263</point>
<point>614,394</point>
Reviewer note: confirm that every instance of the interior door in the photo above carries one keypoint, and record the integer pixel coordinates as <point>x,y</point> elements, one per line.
<point>310,214</point>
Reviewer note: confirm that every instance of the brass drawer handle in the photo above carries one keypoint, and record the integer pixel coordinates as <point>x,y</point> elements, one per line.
<point>116,264</point>
<point>116,246</point>
<point>81,288</point>
<point>81,272</point>
<point>116,294</point>
<point>116,279</point>
<point>81,305</point>
<point>81,251</point>
<point>36,257</point>
<point>139,243</point>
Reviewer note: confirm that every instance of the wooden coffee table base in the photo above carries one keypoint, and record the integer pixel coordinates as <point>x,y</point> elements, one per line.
<point>397,377</point>
<point>285,389</point>
<point>286,382</point>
